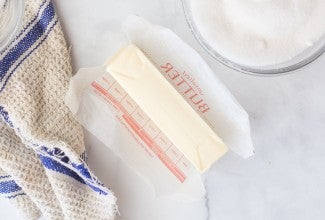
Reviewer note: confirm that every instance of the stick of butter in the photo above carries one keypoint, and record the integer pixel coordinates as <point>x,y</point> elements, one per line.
<point>166,107</point>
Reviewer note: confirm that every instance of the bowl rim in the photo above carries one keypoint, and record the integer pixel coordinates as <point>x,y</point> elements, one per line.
<point>244,69</point>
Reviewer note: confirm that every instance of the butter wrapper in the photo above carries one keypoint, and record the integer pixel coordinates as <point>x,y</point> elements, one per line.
<point>104,108</point>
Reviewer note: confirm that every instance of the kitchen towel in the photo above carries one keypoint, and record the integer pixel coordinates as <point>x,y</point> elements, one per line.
<point>43,168</point>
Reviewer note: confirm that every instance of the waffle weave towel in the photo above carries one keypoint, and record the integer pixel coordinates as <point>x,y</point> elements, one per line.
<point>43,168</point>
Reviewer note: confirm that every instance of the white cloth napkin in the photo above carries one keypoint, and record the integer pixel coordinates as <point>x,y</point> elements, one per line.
<point>43,167</point>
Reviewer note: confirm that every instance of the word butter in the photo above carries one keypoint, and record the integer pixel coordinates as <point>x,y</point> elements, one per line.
<point>166,107</point>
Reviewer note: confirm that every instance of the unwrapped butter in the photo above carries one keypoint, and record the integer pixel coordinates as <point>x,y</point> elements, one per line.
<point>166,107</point>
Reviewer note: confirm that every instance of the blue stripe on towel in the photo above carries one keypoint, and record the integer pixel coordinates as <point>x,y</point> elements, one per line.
<point>14,196</point>
<point>27,42</point>
<point>9,186</point>
<point>51,164</point>
<point>4,177</point>
<point>54,165</point>
<point>25,28</point>
<point>4,85</point>
<point>5,116</point>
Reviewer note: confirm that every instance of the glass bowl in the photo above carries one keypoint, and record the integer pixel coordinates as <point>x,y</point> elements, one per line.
<point>11,14</point>
<point>299,61</point>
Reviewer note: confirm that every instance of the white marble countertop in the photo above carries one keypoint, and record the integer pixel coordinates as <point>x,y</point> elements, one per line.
<point>284,180</point>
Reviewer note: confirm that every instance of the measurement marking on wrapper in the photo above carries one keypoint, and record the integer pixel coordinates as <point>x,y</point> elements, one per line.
<point>142,134</point>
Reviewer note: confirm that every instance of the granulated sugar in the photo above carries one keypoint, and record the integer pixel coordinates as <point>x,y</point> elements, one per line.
<point>259,32</point>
